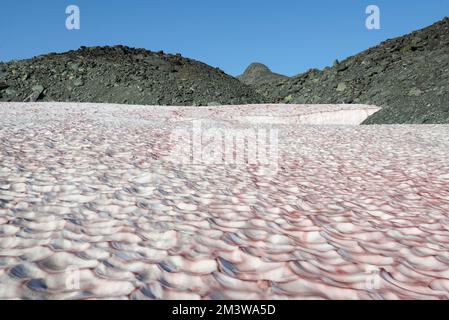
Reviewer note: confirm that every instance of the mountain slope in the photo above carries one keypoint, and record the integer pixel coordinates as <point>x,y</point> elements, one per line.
<point>407,76</point>
<point>120,75</point>
<point>258,74</point>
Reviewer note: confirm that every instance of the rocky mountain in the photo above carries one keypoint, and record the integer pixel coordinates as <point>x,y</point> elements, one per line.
<point>121,75</point>
<point>407,76</point>
<point>258,74</point>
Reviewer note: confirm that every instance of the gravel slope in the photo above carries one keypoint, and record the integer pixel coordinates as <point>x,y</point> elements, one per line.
<point>120,75</point>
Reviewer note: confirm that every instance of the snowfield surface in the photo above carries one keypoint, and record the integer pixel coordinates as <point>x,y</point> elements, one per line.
<point>113,201</point>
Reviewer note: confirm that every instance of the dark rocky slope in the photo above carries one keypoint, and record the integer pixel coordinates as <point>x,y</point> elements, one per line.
<point>258,74</point>
<point>407,76</point>
<point>120,75</point>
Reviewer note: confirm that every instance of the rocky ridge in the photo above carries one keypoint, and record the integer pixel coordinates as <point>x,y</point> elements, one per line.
<point>120,75</point>
<point>407,76</point>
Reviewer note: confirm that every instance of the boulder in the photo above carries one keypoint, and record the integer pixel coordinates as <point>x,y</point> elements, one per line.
<point>415,92</point>
<point>78,83</point>
<point>342,87</point>
<point>37,92</point>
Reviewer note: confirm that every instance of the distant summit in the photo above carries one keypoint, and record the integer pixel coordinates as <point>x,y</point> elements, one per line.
<point>258,73</point>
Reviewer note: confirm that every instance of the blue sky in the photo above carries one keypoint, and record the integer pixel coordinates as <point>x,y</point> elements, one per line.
<point>290,36</point>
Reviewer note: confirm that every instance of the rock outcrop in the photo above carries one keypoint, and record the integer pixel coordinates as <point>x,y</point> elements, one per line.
<point>408,77</point>
<point>258,73</point>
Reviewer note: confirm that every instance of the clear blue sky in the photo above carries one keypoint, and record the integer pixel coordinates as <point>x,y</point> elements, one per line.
<point>290,36</point>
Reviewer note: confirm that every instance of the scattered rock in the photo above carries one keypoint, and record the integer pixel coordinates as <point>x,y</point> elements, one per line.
<point>288,98</point>
<point>38,88</point>
<point>258,73</point>
<point>341,67</point>
<point>341,87</point>
<point>74,67</point>
<point>10,92</point>
<point>415,92</point>
<point>78,83</point>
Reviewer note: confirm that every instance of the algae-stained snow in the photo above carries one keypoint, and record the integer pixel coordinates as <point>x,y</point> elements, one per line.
<point>113,201</point>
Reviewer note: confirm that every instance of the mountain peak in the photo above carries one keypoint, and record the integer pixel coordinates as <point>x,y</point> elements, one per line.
<point>257,73</point>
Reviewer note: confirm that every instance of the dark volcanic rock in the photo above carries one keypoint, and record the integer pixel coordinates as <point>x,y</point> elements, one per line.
<point>407,76</point>
<point>258,73</point>
<point>36,94</point>
<point>121,75</point>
